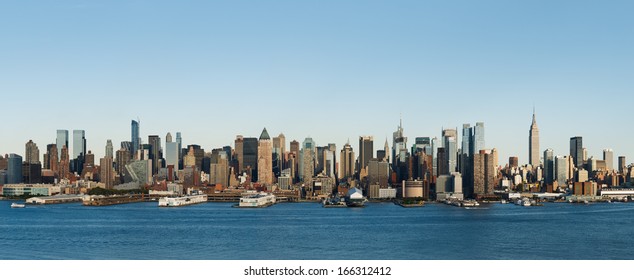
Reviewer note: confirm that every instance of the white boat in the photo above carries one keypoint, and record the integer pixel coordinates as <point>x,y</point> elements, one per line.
<point>182,200</point>
<point>257,200</point>
<point>17,205</point>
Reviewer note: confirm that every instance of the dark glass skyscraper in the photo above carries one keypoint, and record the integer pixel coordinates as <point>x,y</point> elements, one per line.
<point>250,156</point>
<point>366,151</point>
<point>576,150</point>
<point>136,141</point>
<point>61,141</point>
<point>155,152</point>
<point>14,169</point>
<point>79,150</point>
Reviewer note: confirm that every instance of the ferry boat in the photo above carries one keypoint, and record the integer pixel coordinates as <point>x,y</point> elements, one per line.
<point>17,205</point>
<point>257,200</point>
<point>181,200</point>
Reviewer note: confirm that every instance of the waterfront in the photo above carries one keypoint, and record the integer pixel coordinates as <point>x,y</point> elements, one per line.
<point>308,231</point>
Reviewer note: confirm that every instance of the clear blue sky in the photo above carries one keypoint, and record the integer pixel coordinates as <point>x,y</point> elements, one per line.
<point>331,70</point>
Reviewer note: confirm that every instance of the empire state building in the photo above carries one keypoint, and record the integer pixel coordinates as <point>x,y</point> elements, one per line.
<point>533,143</point>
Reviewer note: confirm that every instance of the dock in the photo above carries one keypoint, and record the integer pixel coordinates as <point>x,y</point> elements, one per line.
<point>113,200</point>
<point>56,199</point>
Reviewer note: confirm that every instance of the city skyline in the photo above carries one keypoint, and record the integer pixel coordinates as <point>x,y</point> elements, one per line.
<point>100,152</point>
<point>331,71</point>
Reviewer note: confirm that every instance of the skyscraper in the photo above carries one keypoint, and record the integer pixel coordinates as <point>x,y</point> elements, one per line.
<point>451,149</point>
<point>576,150</point>
<point>155,152</point>
<point>239,147</point>
<point>293,160</point>
<point>265,159</point>
<point>533,143</point>
<point>32,153</point>
<point>484,174</point>
<point>109,149</point>
<point>250,156</point>
<point>14,169</point>
<point>171,152</point>
<point>179,140</point>
<point>79,150</point>
<point>53,160</point>
<point>562,171</point>
<point>346,162</point>
<point>549,166</point>
<point>218,169</point>
<point>399,146</point>
<point>608,157</point>
<point>477,138</point>
<point>107,172</point>
<point>366,151</point>
<point>307,160</point>
<point>435,144</point>
<point>622,165</point>
<point>466,140</point>
<point>279,149</point>
<point>135,138</point>
<point>62,140</point>
<point>64,163</point>
<point>122,159</point>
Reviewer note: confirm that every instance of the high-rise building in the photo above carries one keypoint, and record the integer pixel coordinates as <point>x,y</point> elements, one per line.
<point>378,172</point>
<point>294,160</point>
<point>122,159</point>
<point>135,138</point>
<point>307,161</point>
<point>155,152</point>
<point>330,160</point>
<point>366,151</point>
<point>179,140</point>
<point>32,153</point>
<point>250,156</point>
<point>608,157</point>
<point>14,169</point>
<point>219,168</point>
<point>514,162</point>
<point>477,138</point>
<point>450,137</point>
<point>279,150</point>
<point>107,172</point>
<point>576,150</point>
<point>399,146</point>
<point>441,162</point>
<point>109,149</point>
<point>79,150</point>
<point>561,170</point>
<point>466,140</point>
<point>549,166</point>
<point>484,174</point>
<point>622,165</point>
<point>64,163</point>
<point>265,159</point>
<point>61,141</point>
<point>533,143</point>
<point>346,162</point>
<point>52,160</point>
<point>435,144</point>
<point>239,147</point>
<point>171,152</point>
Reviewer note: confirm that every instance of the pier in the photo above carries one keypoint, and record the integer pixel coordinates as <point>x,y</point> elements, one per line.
<point>113,200</point>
